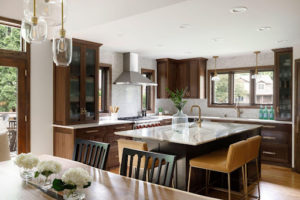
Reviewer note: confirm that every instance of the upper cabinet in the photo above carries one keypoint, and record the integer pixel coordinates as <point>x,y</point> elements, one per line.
<point>181,74</point>
<point>76,87</point>
<point>283,83</point>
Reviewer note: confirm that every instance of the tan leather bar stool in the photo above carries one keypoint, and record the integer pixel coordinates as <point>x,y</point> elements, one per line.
<point>253,146</point>
<point>222,161</point>
<point>4,147</point>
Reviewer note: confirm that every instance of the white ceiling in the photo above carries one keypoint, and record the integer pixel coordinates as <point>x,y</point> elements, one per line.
<point>151,28</point>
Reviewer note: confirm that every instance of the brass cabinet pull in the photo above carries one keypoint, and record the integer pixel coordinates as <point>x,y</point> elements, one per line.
<point>277,109</point>
<point>269,153</point>
<point>269,138</point>
<point>92,131</point>
<point>266,126</point>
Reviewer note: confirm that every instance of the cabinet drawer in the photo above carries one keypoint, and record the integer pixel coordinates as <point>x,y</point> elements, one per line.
<point>276,134</point>
<point>113,158</point>
<point>275,153</point>
<point>122,127</point>
<point>95,134</point>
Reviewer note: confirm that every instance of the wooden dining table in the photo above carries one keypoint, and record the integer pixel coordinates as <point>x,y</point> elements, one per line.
<point>105,185</point>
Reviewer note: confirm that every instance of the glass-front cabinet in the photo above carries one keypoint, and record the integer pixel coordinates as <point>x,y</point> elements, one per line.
<point>79,81</point>
<point>284,83</point>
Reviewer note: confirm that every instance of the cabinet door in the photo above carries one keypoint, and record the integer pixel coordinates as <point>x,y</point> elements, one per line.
<point>284,82</point>
<point>193,79</point>
<point>162,79</point>
<point>91,72</point>
<point>183,77</point>
<point>75,77</point>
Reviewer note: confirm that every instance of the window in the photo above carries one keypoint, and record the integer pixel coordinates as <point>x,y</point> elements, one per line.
<point>104,88</point>
<point>10,36</point>
<point>221,88</point>
<point>148,92</point>
<point>264,88</point>
<point>236,87</point>
<point>242,88</point>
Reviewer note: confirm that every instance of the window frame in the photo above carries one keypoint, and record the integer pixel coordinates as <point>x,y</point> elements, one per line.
<point>108,89</point>
<point>231,72</point>
<point>152,98</point>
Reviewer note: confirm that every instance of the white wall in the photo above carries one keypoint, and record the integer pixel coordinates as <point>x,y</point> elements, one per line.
<point>127,97</point>
<point>41,98</point>
<point>265,58</point>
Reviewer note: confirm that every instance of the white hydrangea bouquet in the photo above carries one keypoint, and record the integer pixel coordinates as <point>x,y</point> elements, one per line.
<point>46,169</point>
<point>26,163</point>
<point>73,180</point>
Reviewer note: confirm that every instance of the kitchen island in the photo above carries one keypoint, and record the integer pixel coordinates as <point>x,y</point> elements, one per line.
<point>192,142</point>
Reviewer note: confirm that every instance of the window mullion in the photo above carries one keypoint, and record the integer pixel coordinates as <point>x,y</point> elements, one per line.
<point>252,88</point>
<point>231,88</point>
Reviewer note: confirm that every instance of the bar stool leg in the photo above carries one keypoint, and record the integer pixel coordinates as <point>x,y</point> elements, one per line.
<point>206,181</point>
<point>257,171</point>
<point>244,182</point>
<point>189,181</point>
<point>229,187</point>
<point>246,179</point>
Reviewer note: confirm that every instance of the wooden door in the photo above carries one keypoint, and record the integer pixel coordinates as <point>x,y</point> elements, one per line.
<point>297,117</point>
<point>194,79</point>
<point>183,77</point>
<point>23,102</point>
<point>162,79</point>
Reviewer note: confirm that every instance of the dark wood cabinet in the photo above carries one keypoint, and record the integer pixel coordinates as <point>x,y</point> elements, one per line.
<point>276,146</point>
<point>283,79</point>
<point>166,76</point>
<point>64,140</point>
<point>181,74</point>
<point>76,86</point>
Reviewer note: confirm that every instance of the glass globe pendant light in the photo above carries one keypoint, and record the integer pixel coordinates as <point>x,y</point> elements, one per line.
<point>62,45</point>
<point>215,76</point>
<point>255,75</point>
<point>47,9</point>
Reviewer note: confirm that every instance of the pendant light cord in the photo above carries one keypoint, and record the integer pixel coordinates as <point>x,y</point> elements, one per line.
<point>62,14</point>
<point>34,9</point>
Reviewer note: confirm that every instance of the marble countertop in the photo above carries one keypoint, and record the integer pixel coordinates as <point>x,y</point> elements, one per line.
<point>91,125</point>
<point>193,135</point>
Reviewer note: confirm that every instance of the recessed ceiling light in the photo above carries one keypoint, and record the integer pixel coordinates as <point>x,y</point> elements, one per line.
<point>282,41</point>
<point>120,34</point>
<point>184,26</point>
<point>264,28</point>
<point>188,52</point>
<point>218,39</point>
<point>240,9</point>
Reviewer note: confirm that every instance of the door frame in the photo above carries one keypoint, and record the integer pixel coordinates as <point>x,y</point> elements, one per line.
<point>17,59</point>
<point>296,120</point>
<point>23,110</point>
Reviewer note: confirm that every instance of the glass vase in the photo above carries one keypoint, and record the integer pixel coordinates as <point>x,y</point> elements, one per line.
<point>76,194</point>
<point>46,183</point>
<point>26,174</point>
<point>180,122</point>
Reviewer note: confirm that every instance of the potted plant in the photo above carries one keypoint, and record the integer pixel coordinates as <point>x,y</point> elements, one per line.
<point>26,163</point>
<point>160,111</point>
<point>179,120</point>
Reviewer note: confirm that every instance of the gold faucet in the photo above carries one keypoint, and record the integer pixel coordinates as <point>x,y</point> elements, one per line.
<point>199,120</point>
<point>238,111</point>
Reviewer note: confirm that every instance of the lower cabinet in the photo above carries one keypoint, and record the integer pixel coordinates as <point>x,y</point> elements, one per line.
<point>276,146</point>
<point>64,140</point>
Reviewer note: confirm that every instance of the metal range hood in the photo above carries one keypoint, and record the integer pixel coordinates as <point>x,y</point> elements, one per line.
<point>131,75</point>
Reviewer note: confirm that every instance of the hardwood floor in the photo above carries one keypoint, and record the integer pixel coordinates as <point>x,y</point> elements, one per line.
<point>277,183</point>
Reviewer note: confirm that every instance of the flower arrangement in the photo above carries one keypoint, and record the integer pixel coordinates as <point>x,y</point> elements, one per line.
<point>26,161</point>
<point>46,168</point>
<point>177,97</point>
<point>73,179</point>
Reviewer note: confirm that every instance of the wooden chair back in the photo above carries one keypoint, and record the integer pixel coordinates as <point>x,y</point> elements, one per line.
<point>156,175</point>
<point>91,153</point>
